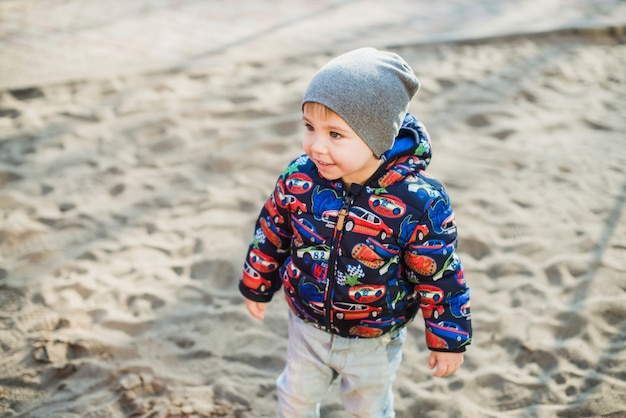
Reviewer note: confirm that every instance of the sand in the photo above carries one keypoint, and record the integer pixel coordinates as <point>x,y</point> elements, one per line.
<point>128,204</point>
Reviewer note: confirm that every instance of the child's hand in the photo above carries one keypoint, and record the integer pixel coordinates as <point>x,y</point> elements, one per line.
<point>256,309</point>
<point>446,363</point>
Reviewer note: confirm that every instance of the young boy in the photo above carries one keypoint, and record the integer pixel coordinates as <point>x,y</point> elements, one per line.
<point>360,238</point>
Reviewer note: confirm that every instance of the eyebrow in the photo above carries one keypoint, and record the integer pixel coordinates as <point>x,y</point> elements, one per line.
<point>329,127</point>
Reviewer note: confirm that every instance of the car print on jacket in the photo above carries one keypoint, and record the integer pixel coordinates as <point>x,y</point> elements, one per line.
<point>359,281</point>
<point>292,271</point>
<point>365,222</point>
<point>367,293</point>
<point>366,332</point>
<point>273,233</point>
<point>387,252</point>
<point>272,211</point>
<point>421,264</point>
<point>288,201</point>
<point>435,342</point>
<point>429,294</point>
<point>459,305</point>
<point>306,231</point>
<point>433,247</point>
<point>298,183</point>
<point>320,271</point>
<point>431,298</point>
<point>388,206</point>
<point>314,253</point>
<point>367,256</point>
<point>349,311</point>
<point>253,279</point>
<point>431,311</point>
<point>448,330</point>
<point>262,262</point>
<point>442,218</point>
<point>360,221</point>
<point>394,175</point>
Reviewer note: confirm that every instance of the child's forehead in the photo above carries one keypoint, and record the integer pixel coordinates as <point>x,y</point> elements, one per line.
<point>324,117</point>
<point>318,111</point>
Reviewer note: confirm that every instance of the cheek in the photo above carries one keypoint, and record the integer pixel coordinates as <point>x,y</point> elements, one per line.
<point>359,156</point>
<point>306,144</point>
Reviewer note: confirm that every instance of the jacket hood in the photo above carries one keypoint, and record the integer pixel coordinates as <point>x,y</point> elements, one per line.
<point>412,139</point>
<point>410,153</point>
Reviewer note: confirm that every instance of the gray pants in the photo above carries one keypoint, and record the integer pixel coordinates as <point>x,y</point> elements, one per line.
<point>366,368</point>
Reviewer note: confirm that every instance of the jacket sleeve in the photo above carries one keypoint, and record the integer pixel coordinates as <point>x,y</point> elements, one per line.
<point>269,248</point>
<point>431,261</point>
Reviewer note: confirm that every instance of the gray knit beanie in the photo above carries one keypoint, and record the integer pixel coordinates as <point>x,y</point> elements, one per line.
<point>370,90</point>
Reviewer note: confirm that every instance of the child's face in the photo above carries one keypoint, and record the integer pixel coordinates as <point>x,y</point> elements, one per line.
<point>336,150</point>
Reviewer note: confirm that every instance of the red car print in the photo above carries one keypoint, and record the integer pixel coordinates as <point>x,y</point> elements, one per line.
<point>434,341</point>
<point>431,295</point>
<point>292,271</point>
<point>364,222</point>
<point>367,293</point>
<point>252,279</point>
<point>366,332</point>
<point>280,192</point>
<point>270,206</point>
<point>262,262</point>
<point>431,311</point>
<point>298,183</point>
<point>271,232</point>
<point>394,175</point>
<point>421,264</point>
<point>291,203</point>
<point>388,206</point>
<point>361,221</point>
<point>420,232</point>
<point>367,256</point>
<point>349,311</point>
<point>288,201</point>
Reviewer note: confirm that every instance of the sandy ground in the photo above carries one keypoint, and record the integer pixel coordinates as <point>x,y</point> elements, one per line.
<point>127,204</point>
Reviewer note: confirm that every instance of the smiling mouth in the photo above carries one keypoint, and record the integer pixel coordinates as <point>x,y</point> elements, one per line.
<point>323,164</point>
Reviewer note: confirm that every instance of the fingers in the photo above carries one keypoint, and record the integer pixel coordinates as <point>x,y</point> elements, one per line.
<point>445,364</point>
<point>432,361</point>
<point>256,309</point>
<point>444,370</point>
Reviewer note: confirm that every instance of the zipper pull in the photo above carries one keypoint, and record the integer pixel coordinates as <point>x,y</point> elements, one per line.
<point>347,201</point>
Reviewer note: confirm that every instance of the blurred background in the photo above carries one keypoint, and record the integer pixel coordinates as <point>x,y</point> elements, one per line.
<point>46,41</point>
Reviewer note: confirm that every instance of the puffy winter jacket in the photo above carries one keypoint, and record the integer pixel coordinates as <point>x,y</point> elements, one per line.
<point>361,264</point>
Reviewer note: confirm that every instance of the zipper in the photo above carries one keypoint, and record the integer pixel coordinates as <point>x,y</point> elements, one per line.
<point>332,261</point>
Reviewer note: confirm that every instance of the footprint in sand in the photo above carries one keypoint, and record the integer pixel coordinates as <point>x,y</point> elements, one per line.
<point>475,247</point>
<point>546,360</point>
<point>28,93</point>
<point>144,304</point>
<point>220,273</point>
<point>478,120</point>
<point>11,299</point>
<point>569,325</point>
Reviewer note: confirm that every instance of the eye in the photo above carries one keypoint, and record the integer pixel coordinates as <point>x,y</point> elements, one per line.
<point>335,135</point>
<point>308,127</point>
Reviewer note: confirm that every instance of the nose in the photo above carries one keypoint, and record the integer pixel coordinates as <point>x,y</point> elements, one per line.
<point>318,145</point>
